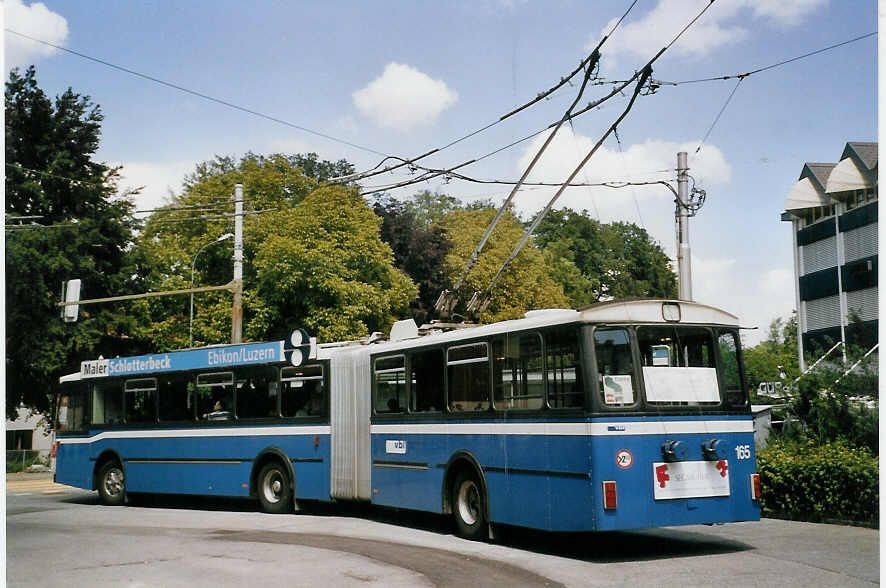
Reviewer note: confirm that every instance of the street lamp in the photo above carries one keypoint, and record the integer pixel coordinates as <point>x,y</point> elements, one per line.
<point>224,237</point>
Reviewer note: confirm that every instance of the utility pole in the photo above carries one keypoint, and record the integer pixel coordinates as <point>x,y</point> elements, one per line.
<point>237,283</point>
<point>684,270</point>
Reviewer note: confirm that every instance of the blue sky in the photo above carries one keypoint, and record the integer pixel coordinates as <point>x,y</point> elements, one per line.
<point>402,78</point>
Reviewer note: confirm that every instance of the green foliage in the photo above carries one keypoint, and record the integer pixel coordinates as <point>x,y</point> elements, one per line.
<point>834,406</point>
<point>594,261</point>
<point>50,173</point>
<point>776,355</point>
<point>832,481</point>
<point>314,260</point>
<point>526,285</point>
<point>325,268</point>
<point>419,251</point>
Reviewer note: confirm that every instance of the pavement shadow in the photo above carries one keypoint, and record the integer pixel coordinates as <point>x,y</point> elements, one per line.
<point>600,547</point>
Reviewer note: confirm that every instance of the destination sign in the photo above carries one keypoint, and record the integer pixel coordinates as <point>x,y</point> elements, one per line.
<point>190,359</point>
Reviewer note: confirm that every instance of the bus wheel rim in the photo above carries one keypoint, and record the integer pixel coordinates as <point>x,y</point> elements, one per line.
<point>114,482</point>
<point>469,502</point>
<point>272,486</point>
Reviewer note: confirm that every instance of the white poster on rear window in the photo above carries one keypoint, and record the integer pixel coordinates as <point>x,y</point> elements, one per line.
<point>681,384</point>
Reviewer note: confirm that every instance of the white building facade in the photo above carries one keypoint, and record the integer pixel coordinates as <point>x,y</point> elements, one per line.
<point>833,212</point>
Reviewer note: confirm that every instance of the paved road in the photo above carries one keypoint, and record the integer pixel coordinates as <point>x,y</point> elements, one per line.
<point>60,536</point>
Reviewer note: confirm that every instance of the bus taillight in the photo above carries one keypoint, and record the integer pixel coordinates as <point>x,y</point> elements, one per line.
<point>755,487</point>
<point>609,499</point>
<point>54,450</point>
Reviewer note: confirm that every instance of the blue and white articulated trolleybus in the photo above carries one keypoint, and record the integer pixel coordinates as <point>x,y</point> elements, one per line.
<point>623,415</point>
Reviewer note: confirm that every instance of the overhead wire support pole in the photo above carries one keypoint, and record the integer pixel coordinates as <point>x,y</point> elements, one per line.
<point>447,301</point>
<point>684,269</point>
<point>237,304</point>
<point>228,286</point>
<point>479,302</point>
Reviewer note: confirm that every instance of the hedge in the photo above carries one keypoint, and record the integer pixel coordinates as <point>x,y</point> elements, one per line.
<point>834,482</point>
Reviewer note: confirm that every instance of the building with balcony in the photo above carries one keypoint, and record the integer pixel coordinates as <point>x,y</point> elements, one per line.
<point>833,212</point>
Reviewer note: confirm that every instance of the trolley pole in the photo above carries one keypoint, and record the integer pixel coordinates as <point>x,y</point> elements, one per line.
<point>237,283</point>
<point>684,270</point>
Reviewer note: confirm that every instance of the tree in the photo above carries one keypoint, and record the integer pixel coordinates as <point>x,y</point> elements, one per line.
<point>314,258</point>
<point>526,285</point>
<point>594,261</point>
<point>775,358</point>
<point>83,231</point>
<point>419,250</point>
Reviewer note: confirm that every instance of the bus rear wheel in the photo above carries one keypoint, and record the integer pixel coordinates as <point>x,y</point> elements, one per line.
<point>468,506</point>
<point>112,484</point>
<point>274,488</point>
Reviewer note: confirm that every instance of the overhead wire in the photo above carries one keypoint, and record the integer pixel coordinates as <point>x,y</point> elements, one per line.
<point>539,97</point>
<point>719,114</point>
<point>480,301</point>
<point>200,94</point>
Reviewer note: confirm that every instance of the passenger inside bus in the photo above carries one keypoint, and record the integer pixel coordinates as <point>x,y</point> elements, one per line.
<point>218,412</point>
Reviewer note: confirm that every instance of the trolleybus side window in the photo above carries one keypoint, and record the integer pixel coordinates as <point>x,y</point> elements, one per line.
<point>303,392</point>
<point>140,400</point>
<point>563,368</point>
<point>107,402</point>
<point>678,365</point>
<point>390,384</point>
<point>176,397</point>
<point>468,377</point>
<point>616,381</point>
<point>72,415</point>
<point>215,396</point>
<point>257,392</point>
<point>729,358</point>
<point>518,376</point>
<point>426,377</point>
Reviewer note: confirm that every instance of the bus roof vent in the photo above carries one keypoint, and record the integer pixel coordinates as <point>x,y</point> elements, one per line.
<point>405,329</point>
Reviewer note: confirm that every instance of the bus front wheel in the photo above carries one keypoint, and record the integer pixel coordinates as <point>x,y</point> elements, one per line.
<point>112,484</point>
<point>274,489</point>
<point>468,506</point>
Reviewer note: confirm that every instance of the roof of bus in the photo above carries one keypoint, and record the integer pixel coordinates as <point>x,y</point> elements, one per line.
<point>625,311</point>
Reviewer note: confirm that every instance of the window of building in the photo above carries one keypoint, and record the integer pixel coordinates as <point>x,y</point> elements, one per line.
<point>257,392</point>
<point>176,397</point>
<point>215,396</point>
<point>140,400</point>
<point>563,368</point>
<point>426,376</point>
<point>518,373</point>
<point>107,403</point>
<point>303,392</point>
<point>468,377</point>
<point>616,381</point>
<point>390,384</point>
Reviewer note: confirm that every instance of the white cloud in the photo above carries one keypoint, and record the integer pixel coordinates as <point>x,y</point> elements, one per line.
<point>158,178</point>
<point>756,298</point>
<point>403,97</point>
<point>640,39</point>
<point>37,21</point>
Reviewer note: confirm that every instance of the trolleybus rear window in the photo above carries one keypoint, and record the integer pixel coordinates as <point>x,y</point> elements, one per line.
<point>303,391</point>
<point>616,381</point>
<point>678,365</point>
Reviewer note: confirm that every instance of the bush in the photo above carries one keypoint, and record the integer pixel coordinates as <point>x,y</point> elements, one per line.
<point>833,482</point>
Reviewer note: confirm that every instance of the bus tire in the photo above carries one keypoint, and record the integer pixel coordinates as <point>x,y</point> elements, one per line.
<point>468,506</point>
<point>274,488</point>
<point>112,484</point>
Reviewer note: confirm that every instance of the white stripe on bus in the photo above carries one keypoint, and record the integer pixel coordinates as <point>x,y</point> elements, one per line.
<point>570,429</point>
<point>214,432</point>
